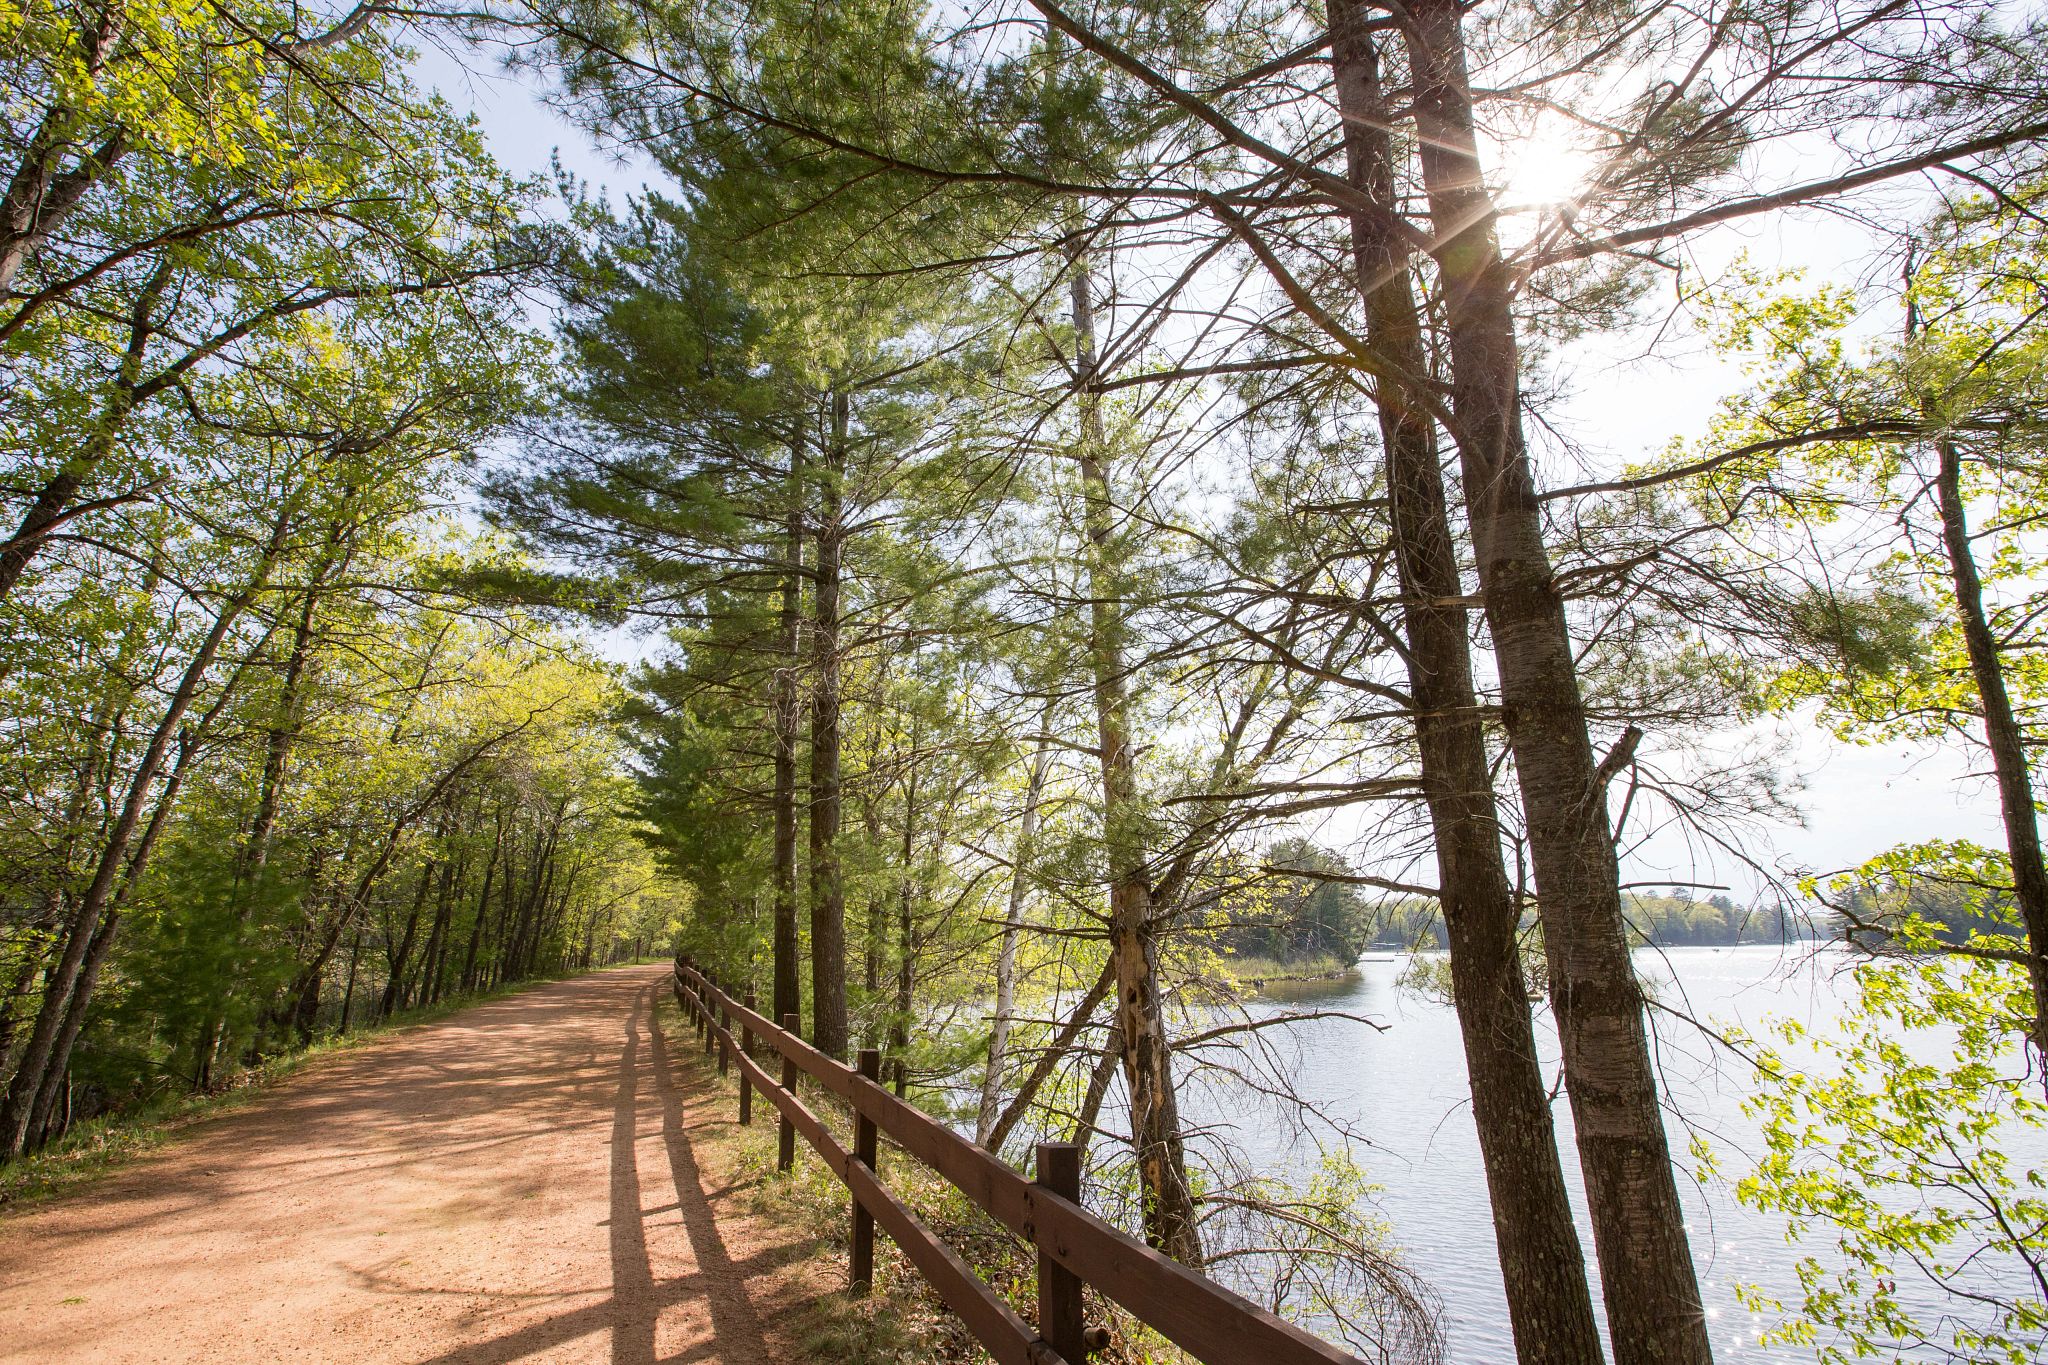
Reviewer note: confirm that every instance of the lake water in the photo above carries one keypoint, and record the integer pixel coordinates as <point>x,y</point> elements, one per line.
<point>1405,1090</point>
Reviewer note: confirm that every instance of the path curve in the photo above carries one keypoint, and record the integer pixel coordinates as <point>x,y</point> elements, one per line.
<point>521,1181</point>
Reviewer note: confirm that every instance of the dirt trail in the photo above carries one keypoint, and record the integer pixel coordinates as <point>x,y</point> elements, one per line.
<point>518,1182</point>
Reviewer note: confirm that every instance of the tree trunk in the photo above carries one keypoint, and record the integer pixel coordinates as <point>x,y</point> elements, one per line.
<point>874,942</point>
<point>500,941</point>
<point>291,706</point>
<point>1083,1130</point>
<point>35,954</point>
<point>57,998</point>
<point>305,990</point>
<point>40,195</point>
<point>483,905</point>
<point>555,918</point>
<point>788,991</point>
<point>828,892</point>
<point>523,919</point>
<point>1006,955</point>
<point>348,990</point>
<point>57,1074</point>
<point>1134,953</point>
<point>54,499</point>
<point>2002,735</point>
<point>437,938</point>
<point>255,855</point>
<point>103,728</point>
<point>906,944</point>
<point>1652,1293</point>
<point>1550,1304</point>
<point>394,981</point>
<point>1078,1020</point>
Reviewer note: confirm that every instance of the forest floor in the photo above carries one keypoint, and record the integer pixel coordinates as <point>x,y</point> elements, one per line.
<point>542,1177</point>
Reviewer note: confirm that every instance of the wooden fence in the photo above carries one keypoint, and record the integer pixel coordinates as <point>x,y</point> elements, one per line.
<point>1074,1246</point>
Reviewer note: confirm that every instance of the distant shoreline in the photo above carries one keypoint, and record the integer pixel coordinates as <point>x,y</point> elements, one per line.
<point>1263,974</point>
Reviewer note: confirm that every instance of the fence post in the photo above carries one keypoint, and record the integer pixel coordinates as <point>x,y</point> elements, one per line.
<point>785,1153</point>
<point>864,1152</point>
<point>1059,1289</point>
<point>746,1076</point>
<point>710,1017</point>
<point>724,1043</point>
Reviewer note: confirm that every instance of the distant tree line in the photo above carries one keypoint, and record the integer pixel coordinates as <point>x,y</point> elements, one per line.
<point>1909,914</point>
<point>1310,904</point>
<point>1676,920</point>
<point>1289,918</point>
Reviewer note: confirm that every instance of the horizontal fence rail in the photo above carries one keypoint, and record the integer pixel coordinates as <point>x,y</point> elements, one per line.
<point>1074,1246</point>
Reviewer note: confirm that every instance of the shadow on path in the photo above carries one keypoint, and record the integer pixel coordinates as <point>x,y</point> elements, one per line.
<point>716,1280</point>
<point>526,1179</point>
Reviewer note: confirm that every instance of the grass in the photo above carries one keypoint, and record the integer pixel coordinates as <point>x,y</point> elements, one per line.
<point>100,1146</point>
<point>902,1322</point>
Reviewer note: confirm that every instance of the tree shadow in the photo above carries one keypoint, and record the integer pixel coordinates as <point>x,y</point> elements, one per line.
<point>466,1119</point>
<point>719,1281</point>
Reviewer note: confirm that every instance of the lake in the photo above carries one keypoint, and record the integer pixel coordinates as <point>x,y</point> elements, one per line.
<point>1405,1090</point>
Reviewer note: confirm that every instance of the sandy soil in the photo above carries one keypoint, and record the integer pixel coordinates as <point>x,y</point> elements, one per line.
<point>527,1180</point>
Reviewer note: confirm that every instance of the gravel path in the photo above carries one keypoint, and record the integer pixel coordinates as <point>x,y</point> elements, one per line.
<point>521,1181</point>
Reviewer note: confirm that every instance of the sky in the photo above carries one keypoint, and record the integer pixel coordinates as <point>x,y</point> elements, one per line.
<point>1856,800</point>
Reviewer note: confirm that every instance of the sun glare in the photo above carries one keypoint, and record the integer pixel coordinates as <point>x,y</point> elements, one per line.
<point>1547,168</point>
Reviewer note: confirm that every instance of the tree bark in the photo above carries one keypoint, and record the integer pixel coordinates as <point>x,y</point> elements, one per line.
<point>828,891</point>
<point>1652,1294</point>
<point>69,974</point>
<point>500,940</point>
<point>429,988</point>
<point>61,489</point>
<point>874,939</point>
<point>35,953</point>
<point>1078,1020</point>
<point>906,946</point>
<point>874,943</point>
<point>1006,955</point>
<point>1083,1130</point>
<point>787,990</point>
<point>42,193</point>
<point>290,717</point>
<point>394,980</point>
<point>483,906</point>
<point>305,990</point>
<point>348,989</point>
<point>1550,1304</point>
<point>2002,735</point>
<point>1169,1211</point>
<point>283,733</point>
<point>56,1074</point>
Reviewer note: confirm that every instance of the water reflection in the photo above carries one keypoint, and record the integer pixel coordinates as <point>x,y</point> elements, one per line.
<point>1404,1089</point>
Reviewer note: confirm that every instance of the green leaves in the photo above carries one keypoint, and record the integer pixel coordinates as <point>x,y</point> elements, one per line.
<point>1889,1137</point>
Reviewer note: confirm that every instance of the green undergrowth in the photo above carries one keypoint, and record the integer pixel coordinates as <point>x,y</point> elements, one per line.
<point>100,1146</point>
<point>902,1322</point>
